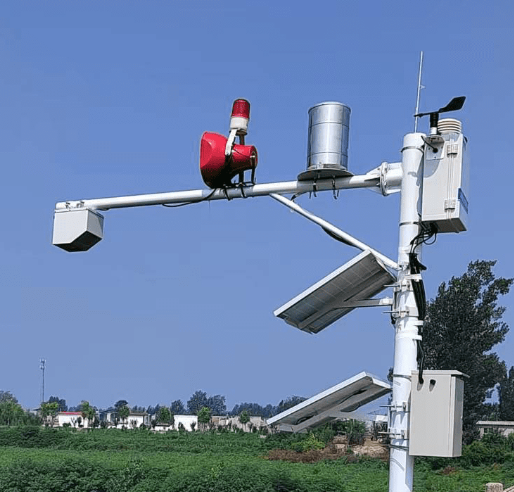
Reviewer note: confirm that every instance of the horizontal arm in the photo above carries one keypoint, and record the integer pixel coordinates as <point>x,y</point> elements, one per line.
<point>192,196</point>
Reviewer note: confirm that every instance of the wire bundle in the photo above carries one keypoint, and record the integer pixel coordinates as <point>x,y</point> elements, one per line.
<point>428,235</point>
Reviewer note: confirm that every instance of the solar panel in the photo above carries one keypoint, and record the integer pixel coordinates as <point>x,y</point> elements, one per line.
<point>332,403</point>
<point>337,294</point>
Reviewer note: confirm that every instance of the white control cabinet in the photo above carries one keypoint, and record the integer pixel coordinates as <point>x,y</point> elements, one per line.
<point>446,183</point>
<point>436,414</point>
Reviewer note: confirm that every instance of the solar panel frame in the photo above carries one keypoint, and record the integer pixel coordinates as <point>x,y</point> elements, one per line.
<point>323,303</point>
<point>332,403</point>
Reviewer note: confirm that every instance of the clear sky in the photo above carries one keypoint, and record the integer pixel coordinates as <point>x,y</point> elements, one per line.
<point>110,98</point>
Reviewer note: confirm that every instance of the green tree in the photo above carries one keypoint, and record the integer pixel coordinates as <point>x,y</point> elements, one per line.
<point>49,410</point>
<point>88,412</point>
<point>11,413</point>
<point>354,430</point>
<point>253,409</point>
<point>463,324</point>
<point>120,403</point>
<point>244,418</point>
<point>61,402</point>
<point>204,416</point>
<point>123,412</point>
<point>177,407</point>
<point>506,391</point>
<point>217,405</point>
<point>163,415</point>
<point>197,401</point>
<point>7,396</point>
<point>289,402</point>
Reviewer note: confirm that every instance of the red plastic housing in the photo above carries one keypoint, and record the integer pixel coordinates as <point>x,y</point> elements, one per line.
<point>217,170</point>
<point>241,109</point>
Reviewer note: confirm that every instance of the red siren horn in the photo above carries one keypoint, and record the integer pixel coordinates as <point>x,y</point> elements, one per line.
<point>218,169</point>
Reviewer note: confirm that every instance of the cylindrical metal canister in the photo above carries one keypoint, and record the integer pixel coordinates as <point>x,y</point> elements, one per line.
<point>327,149</point>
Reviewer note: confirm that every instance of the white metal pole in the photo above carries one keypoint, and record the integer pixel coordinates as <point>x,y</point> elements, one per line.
<point>418,94</point>
<point>361,181</point>
<point>401,464</point>
<point>334,230</point>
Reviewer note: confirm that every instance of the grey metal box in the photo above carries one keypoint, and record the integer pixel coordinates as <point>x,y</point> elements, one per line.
<point>436,414</point>
<point>77,229</point>
<point>446,184</point>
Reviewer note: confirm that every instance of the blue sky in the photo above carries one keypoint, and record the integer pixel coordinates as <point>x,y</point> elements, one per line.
<point>111,98</point>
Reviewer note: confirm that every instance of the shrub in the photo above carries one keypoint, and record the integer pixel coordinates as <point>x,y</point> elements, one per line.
<point>325,433</point>
<point>236,478</point>
<point>354,430</point>
<point>308,444</point>
<point>494,439</point>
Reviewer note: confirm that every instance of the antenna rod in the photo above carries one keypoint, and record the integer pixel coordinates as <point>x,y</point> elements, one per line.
<point>42,367</point>
<point>418,95</point>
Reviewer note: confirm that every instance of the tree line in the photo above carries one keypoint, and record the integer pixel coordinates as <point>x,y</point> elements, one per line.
<point>11,412</point>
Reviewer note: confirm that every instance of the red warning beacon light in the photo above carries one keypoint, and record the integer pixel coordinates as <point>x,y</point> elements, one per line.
<point>240,116</point>
<point>221,159</point>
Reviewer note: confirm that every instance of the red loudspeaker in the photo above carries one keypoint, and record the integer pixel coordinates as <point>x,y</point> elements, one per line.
<point>217,169</point>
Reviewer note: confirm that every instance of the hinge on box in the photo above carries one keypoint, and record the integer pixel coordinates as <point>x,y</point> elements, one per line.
<point>450,204</point>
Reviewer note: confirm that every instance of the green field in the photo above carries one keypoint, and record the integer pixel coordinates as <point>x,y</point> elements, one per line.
<point>41,460</point>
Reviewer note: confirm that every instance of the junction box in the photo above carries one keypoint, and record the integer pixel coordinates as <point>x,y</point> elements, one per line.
<point>436,414</point>
<point>446,178</point>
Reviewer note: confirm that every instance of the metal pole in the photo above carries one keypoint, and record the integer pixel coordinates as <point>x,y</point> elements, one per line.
<point>334,230</point>
<point>42,367</point>
<point>418,95</point>
<point>191,196</point>
<point>401,464</point>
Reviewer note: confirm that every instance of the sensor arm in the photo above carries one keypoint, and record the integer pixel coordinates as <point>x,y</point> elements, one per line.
<point>334,230</point>
<point>192,196</point>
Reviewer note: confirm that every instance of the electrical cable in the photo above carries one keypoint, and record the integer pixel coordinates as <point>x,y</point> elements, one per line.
<point>416,267</point>
<point>167,205</point>
<point>337,238</point>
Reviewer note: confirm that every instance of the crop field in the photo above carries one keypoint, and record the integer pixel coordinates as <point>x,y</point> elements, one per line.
<point>38,459</point>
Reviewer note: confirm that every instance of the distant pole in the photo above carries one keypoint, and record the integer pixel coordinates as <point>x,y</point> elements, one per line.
<point>418,95</point>
<point>42,367</point>
<point>401,464</point>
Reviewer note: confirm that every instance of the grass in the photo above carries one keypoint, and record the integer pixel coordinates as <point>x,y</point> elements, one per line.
<point>117,461</point>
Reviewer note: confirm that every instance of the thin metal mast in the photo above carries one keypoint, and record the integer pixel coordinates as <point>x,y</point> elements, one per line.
<point>418,95</point>
<point>42,367</point>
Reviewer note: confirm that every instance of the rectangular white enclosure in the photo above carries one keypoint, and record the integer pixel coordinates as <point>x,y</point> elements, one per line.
<point>436,414</point>
<point>332,403</point>
<point>337,294</point>
<point>446,184</point>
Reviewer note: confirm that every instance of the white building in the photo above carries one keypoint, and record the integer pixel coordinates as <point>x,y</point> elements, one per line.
<point>73,419</point>
<point>188,421</point>
<point>503,427</point>
<point>234,423</point>
<point>133,421</point>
